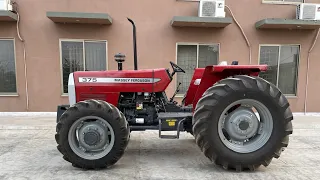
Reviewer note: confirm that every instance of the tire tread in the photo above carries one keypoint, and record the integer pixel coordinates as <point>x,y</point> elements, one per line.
<point>204,108</point>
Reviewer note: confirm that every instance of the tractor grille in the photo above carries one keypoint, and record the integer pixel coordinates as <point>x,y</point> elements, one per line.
<point>92,96</point>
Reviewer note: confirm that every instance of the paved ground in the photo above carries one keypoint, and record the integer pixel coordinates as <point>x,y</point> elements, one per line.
<point>28,151</point>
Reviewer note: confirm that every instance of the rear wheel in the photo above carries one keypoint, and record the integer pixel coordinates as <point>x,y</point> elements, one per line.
<point>242,123</point>
<point>92,134</point>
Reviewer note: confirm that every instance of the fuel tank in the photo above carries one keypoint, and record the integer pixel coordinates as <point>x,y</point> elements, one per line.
<point>107,85</point>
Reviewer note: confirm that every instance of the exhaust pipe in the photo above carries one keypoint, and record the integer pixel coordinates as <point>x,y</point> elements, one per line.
<point>134,45</point>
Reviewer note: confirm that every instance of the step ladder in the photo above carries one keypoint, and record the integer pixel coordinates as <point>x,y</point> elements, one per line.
<point>172,121</point>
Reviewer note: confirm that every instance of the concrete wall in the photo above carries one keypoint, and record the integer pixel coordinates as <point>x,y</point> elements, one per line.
<point>156,42</point>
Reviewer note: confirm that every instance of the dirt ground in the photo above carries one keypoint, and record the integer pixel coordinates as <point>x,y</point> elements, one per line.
<point>28,151</point>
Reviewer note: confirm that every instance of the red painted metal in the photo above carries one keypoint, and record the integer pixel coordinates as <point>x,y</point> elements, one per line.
<point>239,68</point>
<point>110,91</point>
<point>211,74</point>
<point>192,87</point>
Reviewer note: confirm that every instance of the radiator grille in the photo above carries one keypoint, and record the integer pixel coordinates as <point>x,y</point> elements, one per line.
<point>92,96</point>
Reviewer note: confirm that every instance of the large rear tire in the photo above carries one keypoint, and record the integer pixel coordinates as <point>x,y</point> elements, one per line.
<point>227,129</point>
<point>92,134</point>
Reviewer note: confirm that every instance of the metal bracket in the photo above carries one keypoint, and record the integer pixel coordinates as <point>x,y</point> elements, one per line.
<point>171,136</point>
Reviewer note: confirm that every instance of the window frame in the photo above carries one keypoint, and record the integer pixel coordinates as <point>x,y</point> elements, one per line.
<point>197,44</point>
<point>282,2</point>
<point>3,94</point>
<point>298,65</point>
<point>84,53</point>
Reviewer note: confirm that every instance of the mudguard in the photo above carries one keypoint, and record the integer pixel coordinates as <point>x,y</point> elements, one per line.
<point>203,78</point>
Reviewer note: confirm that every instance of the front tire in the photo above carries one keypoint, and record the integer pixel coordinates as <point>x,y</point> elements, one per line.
<point>92,134</point>
<point>233,136</point>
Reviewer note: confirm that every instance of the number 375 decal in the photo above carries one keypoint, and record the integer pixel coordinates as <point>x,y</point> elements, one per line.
<point>88,79</point>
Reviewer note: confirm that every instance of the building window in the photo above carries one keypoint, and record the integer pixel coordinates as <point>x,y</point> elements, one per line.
<point>7,67</point>
<point>82,56</point>
<point>283,1</point>
<point>191,56</point>
<point>283,61</point>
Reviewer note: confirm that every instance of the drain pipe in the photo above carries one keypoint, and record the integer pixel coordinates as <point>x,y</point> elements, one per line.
<point>244,35</point>
<point>308,66</point>
<point>24,56</point>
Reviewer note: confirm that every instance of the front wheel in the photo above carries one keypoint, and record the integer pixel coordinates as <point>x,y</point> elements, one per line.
<point>242,123</point>
<point>92,134</point>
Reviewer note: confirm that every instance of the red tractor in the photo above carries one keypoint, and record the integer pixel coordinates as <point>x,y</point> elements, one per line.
<point>239,120</point>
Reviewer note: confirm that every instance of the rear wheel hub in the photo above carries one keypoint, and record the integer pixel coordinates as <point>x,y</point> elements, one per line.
<point>241,130</point>
<point>91,138</point>
<point>241,124</point>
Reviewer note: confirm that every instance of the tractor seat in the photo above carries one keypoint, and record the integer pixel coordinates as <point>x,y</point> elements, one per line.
<point>225,63</point>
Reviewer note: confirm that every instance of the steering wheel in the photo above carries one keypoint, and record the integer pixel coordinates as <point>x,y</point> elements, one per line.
<point>176,68</point>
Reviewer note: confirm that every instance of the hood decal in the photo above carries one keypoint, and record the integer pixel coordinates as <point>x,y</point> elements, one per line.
<point>117,80</point>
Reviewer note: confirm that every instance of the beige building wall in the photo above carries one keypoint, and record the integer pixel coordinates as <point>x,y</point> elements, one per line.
<point>156,43</point>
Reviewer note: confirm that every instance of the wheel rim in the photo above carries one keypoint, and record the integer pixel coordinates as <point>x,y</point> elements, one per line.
<point>91,137</point>
<point>241,130</point>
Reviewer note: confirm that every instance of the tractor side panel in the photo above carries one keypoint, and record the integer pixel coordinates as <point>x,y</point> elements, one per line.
<point>208,79</point>
<point>193,87</point>
<point>107,85</point>
<point>213,74</point>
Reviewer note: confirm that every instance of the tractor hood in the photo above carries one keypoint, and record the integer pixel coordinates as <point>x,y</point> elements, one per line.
<point>107,85</point>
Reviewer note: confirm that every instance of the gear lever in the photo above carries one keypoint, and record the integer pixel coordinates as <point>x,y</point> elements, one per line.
<point>175,93</point>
